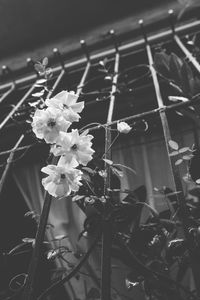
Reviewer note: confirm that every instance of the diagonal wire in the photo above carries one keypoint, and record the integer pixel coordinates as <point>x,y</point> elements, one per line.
<point>9,161</point>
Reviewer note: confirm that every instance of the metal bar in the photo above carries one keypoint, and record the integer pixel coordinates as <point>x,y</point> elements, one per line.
<point>174,171</point>
<point>16,150</point>
<point>83,79</point>
<point>114,89</point>
<point>164,121</point>
<point>107,225</point>
<point>154,38</point>
<point>11,113</point>
<point>149,113</point>
<point>56,83</point>
<point>29,292</point>
<point>187,53</point>
<point>130,118</point>
<point>7,93</point>
<point>9,161</point>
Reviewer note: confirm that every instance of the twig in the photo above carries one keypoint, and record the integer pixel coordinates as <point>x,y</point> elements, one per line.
<point>73,272</point>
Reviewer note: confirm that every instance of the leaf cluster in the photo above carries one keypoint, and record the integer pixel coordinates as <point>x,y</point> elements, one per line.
<point>178,73</point>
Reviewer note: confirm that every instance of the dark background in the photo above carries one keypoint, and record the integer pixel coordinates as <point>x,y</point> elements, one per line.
<point>34,27</point>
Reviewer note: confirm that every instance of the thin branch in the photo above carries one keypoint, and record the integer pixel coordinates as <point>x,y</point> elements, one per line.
<point>76,269</point>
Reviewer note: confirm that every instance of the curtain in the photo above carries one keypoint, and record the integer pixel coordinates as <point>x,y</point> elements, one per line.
<point>147,156</point>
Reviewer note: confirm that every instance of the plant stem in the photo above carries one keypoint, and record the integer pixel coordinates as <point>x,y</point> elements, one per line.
<point>76,269</point>
<point>29,289</point>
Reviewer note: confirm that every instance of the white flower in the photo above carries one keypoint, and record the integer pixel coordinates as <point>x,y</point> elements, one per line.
<point>66,102</point>
<point>123,127</point>
<point>47,124</point>
<point>62,179</point>
<point>72,145</point>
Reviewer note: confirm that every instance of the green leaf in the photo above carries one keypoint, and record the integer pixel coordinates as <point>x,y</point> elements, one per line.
<point>117,172</point>
<point>173,145</point>
<point>187,157</point>
<point>196,87</point>
<point>125,167</point>
<point>187,76</point>
<point>187,178</point>
<point>29,213</point>
<point>60,237</point>
<point>38,94</point>
<point>108,78</point>
<point>161,64</point>
<point>53,253</point>
<point>49,72</point>
<point>28,240</point>
<point>108,161</point>
<point>45,61</point>
<point>77,198</point>
<point>93,294</point>
<point>86,177</point>
<point>177,98</point>
<point>89,170</point>
<point>174,153</point>
<point>184,149</point>
<point>179,113</point>
<point>41,81</point>
<point>175,64</point>
<point>39,68</point>
<point>102,173</point>
<point>178,162</point>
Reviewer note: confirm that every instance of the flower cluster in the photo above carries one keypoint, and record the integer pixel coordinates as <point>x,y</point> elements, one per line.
<point>74,149</point>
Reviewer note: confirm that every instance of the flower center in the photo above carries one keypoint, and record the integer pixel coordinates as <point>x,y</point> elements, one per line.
<point>74,147</point>
<point>62,176</point>
<point>65,106</point>
<point>51,123</point>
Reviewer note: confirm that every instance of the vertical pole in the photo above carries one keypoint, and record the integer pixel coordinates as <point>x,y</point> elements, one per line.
<point>87,68</point>
<point>174,170</point>
<point>60,76</point>
<point>56,83</point>
<point>30,292</point>
<point>107,226</point>
<point>85,74</point>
